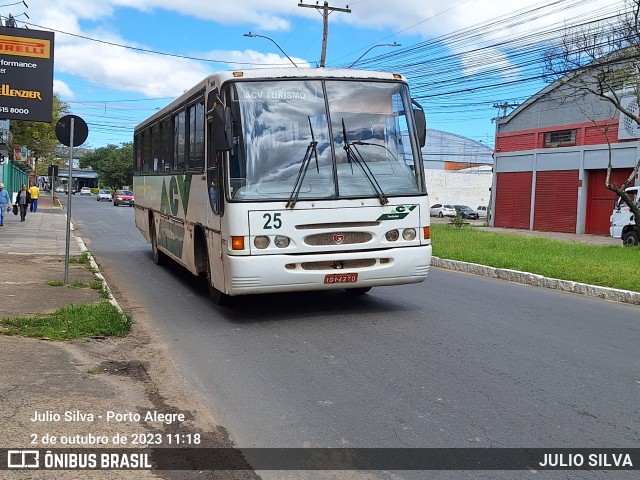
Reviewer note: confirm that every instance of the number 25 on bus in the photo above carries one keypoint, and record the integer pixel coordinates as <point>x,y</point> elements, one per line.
<point>287,180</point>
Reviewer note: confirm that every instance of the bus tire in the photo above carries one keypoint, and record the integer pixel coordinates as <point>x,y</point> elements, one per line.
<point>158,256</point>
<point>216,295</point>
<point>358,291</point>
<point>630,238</point>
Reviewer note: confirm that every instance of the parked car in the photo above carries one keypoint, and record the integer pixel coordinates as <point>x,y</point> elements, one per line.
<point>466,212</point>
<point>85,191</point>
<point>104,195</point>
<point>440,210</point>
<point>482,211</point>
<point>73,190</point>
<point>123,197</point>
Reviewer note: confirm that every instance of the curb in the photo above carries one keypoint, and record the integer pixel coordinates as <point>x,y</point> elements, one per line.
<point>611,294</point>
<point>96,272</point>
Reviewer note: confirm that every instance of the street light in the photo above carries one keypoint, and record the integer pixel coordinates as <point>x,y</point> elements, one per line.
<point>274,42</point>
<point>394,44</point>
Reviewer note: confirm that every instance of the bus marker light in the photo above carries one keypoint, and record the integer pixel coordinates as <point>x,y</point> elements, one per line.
<point>427,233</point>
<point>281,241</point>
<point>392,235</point>
<point>237,243</point>
<point>261,242</point>
<point>409,234</point>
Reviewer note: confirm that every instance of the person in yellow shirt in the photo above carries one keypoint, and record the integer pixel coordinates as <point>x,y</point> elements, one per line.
<point>34,191</point>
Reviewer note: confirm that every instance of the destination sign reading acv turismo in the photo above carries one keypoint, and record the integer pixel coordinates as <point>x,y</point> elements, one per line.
<point>26,74</point>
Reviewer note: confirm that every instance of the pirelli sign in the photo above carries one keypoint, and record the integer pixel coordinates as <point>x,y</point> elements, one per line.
<point>26,74</point>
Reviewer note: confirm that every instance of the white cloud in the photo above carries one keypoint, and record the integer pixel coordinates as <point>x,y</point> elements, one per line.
<point>62,89</point>
<point>236,59</point>
<point>153,75</point>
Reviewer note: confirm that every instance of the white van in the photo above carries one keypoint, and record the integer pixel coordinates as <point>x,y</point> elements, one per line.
<point>622,223</point>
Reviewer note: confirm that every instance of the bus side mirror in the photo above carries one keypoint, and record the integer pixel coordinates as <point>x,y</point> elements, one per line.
<point>221,136</point>
<point>421,126</point>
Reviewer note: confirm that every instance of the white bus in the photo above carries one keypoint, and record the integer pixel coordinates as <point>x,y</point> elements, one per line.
<point>281,180</point>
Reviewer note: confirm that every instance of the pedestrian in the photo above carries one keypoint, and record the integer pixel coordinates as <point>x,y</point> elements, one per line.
<point>34,191</point>
<point>22,201</point>
<point>5,203</point>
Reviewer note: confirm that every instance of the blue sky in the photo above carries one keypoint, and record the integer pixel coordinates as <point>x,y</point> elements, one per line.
<point>461,57</point>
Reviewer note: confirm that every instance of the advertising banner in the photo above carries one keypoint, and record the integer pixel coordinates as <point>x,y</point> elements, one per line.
<point>26,74</point>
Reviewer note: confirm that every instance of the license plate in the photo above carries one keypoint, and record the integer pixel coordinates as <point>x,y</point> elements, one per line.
<point>341,278</point>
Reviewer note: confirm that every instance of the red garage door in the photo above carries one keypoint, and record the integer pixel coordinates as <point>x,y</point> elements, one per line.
<point>513,199</point>
<point>600,200</point>
<point>556,201</point>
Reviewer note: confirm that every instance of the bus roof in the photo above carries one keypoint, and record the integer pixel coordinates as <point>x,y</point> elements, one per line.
<point>220,78</point>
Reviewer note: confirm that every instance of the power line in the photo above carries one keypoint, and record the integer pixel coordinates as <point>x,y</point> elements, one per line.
<point>146,50</point>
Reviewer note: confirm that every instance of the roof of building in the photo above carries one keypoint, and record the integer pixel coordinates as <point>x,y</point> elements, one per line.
<point>449,147</point>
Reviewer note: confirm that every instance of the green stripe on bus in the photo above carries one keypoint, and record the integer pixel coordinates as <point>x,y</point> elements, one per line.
<point>171,237</point>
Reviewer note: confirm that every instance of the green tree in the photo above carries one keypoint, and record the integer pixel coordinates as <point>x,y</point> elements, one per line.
<point>39,137</point>
<point>113,163</point>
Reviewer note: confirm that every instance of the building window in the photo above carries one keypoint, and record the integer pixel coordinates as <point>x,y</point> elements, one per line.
<point>560,138</point>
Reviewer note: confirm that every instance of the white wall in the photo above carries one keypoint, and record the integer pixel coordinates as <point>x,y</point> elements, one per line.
<point>462,187</point>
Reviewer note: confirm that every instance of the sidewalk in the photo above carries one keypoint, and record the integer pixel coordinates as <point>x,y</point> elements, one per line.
<point>42,233</point>
<point>85,378</point>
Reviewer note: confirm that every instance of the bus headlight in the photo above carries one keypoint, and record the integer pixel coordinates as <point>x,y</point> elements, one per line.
<point>261,242</point>
<point>392,235</point>
<point>409,234</point>
<point>281,241</point>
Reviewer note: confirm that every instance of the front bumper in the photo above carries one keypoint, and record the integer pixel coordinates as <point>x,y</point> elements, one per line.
<point>284,273</point>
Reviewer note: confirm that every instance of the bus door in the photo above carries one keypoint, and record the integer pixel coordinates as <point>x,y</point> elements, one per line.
<point>215,209</point>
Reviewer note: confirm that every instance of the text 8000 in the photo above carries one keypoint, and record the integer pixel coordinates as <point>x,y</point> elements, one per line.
<point>21,111</point>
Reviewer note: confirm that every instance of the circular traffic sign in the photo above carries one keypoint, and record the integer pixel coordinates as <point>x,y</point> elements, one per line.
<point>63,130</point>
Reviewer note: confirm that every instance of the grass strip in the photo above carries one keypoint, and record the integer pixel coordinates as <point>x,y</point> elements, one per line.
<point>604,265</point>
<point>73,321</point>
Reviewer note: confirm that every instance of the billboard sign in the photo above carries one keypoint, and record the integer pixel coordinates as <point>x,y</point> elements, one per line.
<point>26,74</point>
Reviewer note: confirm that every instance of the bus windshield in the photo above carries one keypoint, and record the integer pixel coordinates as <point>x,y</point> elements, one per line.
<point>322,139</point>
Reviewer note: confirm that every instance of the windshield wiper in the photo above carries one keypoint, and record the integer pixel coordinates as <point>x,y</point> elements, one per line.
<point>353,155</point>
<point>304,166</point>
<point>360,142</point>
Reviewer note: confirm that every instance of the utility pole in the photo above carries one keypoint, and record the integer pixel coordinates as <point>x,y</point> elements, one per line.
<point>503,107</point>
<point>325,10</point>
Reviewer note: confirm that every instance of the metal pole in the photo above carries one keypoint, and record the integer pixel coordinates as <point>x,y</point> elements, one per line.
<point>69,195</point>
<point>326,10</point>
<point>325,33</point>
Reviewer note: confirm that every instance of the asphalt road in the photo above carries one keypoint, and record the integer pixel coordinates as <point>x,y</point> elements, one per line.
<point>456,361</point>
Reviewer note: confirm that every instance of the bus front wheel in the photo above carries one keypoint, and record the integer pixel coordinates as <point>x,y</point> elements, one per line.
<point>158,256</point>
<point>216,295</point>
